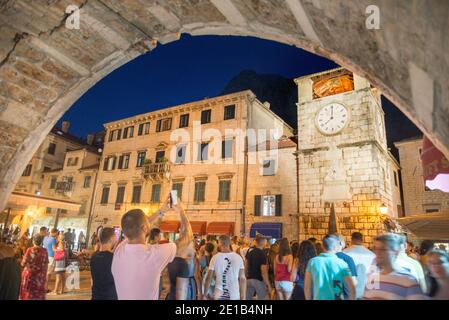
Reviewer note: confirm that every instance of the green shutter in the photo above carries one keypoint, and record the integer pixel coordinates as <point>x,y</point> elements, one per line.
<point>257,204</point>
<point>278,209</point>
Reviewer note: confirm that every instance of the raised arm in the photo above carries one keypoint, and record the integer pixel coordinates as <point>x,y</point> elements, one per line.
<point>185,232</point>
<point>162,210</point>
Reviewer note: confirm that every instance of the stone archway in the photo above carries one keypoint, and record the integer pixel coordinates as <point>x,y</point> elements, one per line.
<point>45,67</point>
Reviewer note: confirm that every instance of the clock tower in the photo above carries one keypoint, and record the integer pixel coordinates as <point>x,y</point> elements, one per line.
<point>343,157</point>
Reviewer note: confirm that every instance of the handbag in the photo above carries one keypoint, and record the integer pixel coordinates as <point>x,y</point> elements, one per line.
<point>59,255</point>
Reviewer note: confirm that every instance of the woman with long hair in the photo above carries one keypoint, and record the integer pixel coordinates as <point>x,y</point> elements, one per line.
<point>272,252</point>
<point>60,256</point>
<point>209,251</point>
<point>306,251</point>
<point>283,264</point>
<point>184,271</point>
<point>35,263</point>
<point>438,265</point>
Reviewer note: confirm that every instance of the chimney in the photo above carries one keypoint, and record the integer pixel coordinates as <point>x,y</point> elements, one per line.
<point>65,126</point>
<point>90,139</point>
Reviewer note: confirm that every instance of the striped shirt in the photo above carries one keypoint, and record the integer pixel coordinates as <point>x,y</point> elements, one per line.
<point>396,285</point>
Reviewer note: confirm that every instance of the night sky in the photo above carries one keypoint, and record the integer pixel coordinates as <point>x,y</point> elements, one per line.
<point>191,69</point>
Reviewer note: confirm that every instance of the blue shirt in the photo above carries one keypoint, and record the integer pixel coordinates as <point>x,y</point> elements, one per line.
<point>327,272</point>
<point>49,242</point>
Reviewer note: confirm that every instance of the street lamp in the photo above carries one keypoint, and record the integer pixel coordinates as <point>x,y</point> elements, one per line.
<point>383,209</point>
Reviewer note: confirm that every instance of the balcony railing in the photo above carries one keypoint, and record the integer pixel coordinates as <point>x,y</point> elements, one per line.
<point>64,186</point>
<point>156,171</point>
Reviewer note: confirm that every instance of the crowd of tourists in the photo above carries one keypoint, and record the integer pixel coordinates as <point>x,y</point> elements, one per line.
<point>27,264</point>
<point>224,268</point>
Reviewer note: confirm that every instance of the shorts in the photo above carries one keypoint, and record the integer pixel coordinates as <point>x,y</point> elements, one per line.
<point>51,265</point>
<point>254,286</point>
<point>285,286</point>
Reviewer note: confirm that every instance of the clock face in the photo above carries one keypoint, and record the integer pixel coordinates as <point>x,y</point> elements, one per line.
<point>332,118</point>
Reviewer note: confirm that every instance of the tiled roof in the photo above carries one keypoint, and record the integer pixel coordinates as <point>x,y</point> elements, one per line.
<point>68,136</point>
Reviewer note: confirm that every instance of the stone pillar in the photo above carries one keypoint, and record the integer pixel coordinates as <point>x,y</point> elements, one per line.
<point>305,92</point>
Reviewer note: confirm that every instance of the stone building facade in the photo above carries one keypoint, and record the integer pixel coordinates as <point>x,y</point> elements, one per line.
<point>50,155</point>
<point>34,202</point>
<point>343,155</point>
<point>148,155</point>
<point>417,198</point>
<point>74,181</point>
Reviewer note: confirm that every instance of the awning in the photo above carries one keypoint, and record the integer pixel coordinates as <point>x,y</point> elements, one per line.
<point>268,229</point>
<point>26,199</point>
<point>220,228</point>
<point>198,227</point>
<point>427,226</point>
<point>433,160</point>
<point>169,226</point>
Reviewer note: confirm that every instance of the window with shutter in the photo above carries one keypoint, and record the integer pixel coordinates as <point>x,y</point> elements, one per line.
<point>125,163</point>
<point>229,112</point>
<point>224,189</point>
<point>200,187</point>
<point>52,148</point>
<point>205,116</point>
<point>120,194</point>
<point>136,194</point>
<point>269,167</point>
<point>156,193</point>
<point>141,158</point>
<point>159,156</point>
<point>226,149</point>
<point>257,205</point>
<point>120,162</point>
<point>178,187</point>
<point>140,129</point>
<point>180,154</point>
<point>53,182</point>
<point>203,149</point>
<point>158,125</point>
<point>105,195</point>
<point>87,182</point>
<point>278,206</point>
<point>184,120</point>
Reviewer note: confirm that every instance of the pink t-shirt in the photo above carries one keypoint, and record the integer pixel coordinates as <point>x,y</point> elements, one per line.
<point>137,269</point>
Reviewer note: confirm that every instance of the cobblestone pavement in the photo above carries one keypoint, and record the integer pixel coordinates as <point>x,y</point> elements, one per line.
<point>84,292</point>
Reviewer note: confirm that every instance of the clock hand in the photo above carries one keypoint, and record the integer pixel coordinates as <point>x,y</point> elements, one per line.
<point>332,112</point>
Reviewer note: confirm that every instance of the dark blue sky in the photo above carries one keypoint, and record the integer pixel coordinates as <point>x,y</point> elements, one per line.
<point>182,71</point>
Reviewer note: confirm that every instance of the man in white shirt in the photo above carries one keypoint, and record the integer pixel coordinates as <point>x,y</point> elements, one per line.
<point>227,268</point>
<point>411,265</point>
<point>136,265</point>
<point>363,259</point>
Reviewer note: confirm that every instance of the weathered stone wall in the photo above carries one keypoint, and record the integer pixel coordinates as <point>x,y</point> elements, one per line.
<point>370,225</point>
<point>45,67</point>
